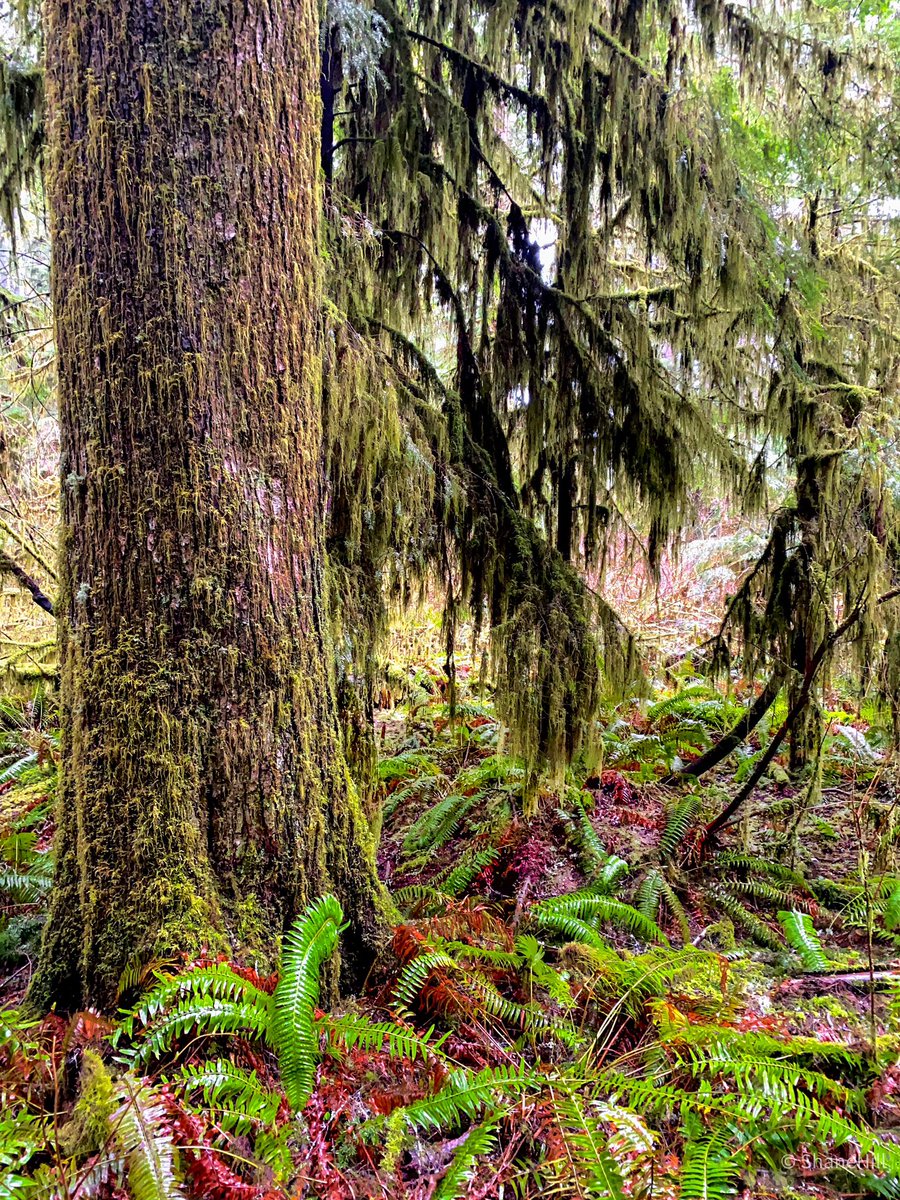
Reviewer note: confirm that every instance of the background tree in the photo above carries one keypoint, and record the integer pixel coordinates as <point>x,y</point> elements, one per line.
<point>620,217</point>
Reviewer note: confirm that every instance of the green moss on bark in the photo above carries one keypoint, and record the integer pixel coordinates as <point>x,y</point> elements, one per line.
<point>202,759</point>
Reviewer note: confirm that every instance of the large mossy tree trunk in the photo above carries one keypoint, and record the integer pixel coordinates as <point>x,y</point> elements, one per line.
<point>204,792</point>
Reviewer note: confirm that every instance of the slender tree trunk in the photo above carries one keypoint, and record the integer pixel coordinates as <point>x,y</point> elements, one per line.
<point>565,507</point>
<point>806,733</point>
<point>204,793</point>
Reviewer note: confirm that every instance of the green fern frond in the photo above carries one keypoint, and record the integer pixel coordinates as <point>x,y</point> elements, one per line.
<point>23,1136</point>
<point>527,1017</point>
<point>676,908</point>
<point>653,1096</point>
<point>238,1097</point>
<point>217,982</point>
<point>419,898</point>
<point>756,1043</point>
<point>709,1170</point>
<point>613,872</point>
<point>146,1141</point>
<point>416,789</point>
<point>892,911</point>
<point>545,976</point>
<point>597,1173</point>
<point>679,823</point>
<point>688,734</point>
<point>496,770</point>
<point>502,959</point>
<point>741,915</point>
<point>439,823</point>
<point>356,1032</point>
<point>649,893</point>
<point>413,976</point>
<point>309,943</point>
<point>637,748</point>
<point>768,1079</point>
<point>789,1098</point>
<point>26,886</point>
<point>766,893</point>
<point>694,700</point>
<point>802,937</point>
<point>729,861</point>
<point>589,908</point>
<point>633,1138</point>
<point>573,929</point>
<point>19,767</point>
<point>591,850</point>
<point>604,869</point>
<point>462,875</point>
<point>465,1095</point>
<point>201,1016</point>
<point>402,766</point>
<point>480,1141</point>
<point>273,1148</point>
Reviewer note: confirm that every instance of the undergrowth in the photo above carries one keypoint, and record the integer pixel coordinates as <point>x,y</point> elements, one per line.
<point>586,996</point>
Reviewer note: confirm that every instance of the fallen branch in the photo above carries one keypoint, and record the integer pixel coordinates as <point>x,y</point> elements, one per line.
<point>861,978</point>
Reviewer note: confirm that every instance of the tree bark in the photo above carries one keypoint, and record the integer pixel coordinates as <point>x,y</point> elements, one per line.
<point>204,792</point>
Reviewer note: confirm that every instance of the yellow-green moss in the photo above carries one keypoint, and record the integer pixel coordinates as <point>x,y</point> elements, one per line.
<point>89,1128</point>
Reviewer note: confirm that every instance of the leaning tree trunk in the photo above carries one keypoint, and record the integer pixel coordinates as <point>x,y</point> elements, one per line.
<point>204,793</point>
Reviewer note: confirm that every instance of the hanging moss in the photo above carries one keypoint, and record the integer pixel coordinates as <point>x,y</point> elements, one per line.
<point>21,136</point>
<point>575,384</point>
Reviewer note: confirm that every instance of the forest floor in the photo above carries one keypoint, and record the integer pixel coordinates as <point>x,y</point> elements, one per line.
<point>586,996</point>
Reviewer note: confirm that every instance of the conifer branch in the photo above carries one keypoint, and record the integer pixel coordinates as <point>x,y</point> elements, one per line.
<point>10,567</point>
<point>529,100</point>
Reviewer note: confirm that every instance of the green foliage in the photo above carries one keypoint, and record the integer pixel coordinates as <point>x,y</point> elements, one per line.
<point>23,1135</point>
<point>710,1169</point>
<point>802,937</point>
<point>592,908</point>
<point>234,1094</point>
<point>413,976</point>
<point>438,824</point>
<point>353,1031</point>
<point>480,1141</point>
<point>308,945</point>
<point>596,1170</point>
<point>745,918</point>
<point>26,876</point>
<point>208,1001</point>
<point>146,1143</point>
<point>401,767</point>
<point>680,821</point>
<point>216,1001</point>
<point>466,1095</point>
<point>892,911</point>
<point>462,875</point>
